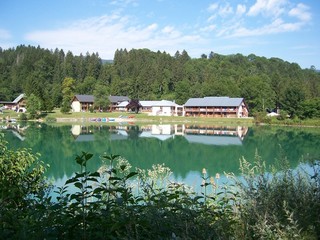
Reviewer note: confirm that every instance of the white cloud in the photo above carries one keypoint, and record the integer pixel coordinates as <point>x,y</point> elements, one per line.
<point>225,10</point>
<point>5,38</point>
<point>222,11</point>
<point>241,9</point>
<point>263,17</point>
<point>277,26</point>
<point>209,28</point>
<point>301,12</point>
<point>105,34</point>
<point>168,29</point>
<point>213,7</point>
<point>4,34</point>
<point>268,8</point>
<point>212,18</point>
<point>124,3</point>
<point>152,27</point>
<point>170,32</point>
<point>228,30</point>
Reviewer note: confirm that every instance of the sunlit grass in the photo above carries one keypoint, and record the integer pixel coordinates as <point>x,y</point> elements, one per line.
<point>144,117</point>
<point>9,113</point>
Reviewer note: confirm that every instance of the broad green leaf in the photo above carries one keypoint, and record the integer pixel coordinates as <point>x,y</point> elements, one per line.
<point>78,185</point>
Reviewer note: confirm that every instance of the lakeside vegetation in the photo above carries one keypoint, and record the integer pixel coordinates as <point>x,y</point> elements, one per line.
<point>84,118</point>
<point>118,202</point>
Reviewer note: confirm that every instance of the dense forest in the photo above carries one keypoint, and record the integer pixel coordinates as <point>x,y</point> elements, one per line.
<point>54,76</point>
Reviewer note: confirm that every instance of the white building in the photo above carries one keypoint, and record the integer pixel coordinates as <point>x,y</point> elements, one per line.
<point>166,108</point>
<point>156,108</point>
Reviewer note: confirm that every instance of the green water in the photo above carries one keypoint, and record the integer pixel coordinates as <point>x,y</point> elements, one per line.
<point>186,150</point>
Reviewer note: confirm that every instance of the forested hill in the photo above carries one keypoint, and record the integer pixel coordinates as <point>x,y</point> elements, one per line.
<point>146,75</point>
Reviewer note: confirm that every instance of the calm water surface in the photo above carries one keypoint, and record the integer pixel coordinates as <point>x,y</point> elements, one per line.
<point>185,149</point>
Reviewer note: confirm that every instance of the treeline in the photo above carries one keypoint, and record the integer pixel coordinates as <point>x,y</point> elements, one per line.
<point>266,84</point>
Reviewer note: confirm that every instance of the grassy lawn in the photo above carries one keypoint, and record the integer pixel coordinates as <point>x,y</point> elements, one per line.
<point>139,118</point>
<point>9,113</point>
<point>145,118</point>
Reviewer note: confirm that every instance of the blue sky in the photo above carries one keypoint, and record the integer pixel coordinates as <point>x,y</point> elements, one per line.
<point>287,29</point>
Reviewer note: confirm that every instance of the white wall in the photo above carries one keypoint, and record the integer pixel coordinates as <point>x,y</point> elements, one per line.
<point>76,106</point>
<point>166,111</point>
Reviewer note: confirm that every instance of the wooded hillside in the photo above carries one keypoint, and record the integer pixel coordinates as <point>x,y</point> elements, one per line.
<point>146,75</point>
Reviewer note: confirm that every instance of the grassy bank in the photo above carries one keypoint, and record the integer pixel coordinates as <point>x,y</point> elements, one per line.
<point>140,118</point>
<point>144,118</point>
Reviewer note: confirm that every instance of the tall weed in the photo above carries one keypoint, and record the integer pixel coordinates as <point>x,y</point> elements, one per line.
<point>281,205</point>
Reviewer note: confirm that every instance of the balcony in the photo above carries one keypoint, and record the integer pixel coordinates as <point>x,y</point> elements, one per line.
<point>210,110</point>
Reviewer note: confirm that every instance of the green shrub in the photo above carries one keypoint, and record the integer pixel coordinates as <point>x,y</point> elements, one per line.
<point>136,205</point>
<point>65,107</point>
<point>50,119</point>
<point>23,117</point>
<point>279,204</point>
<point>22,189</point>
<point>261,117</point>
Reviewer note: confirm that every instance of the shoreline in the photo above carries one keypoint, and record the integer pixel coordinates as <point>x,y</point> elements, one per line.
<point>159,120</point>
<point>94,120</point>
<point>210,121</point>
<point>124,118</point>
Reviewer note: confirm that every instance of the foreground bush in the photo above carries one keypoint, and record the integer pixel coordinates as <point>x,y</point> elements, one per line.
<point>117,203</point>
<point>22,190</point>
<point>281,204</point>
<point>112,203</point>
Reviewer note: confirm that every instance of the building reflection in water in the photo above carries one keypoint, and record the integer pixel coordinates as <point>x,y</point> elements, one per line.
<point>202,134</point>
<point>16,129</point>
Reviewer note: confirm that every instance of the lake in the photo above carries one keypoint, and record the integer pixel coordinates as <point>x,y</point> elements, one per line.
<point>185,149</point>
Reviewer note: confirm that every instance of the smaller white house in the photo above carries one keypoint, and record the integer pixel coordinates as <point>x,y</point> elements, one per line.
<point>156,108</point>
<point>82,103</point>
<point>166,108</point>
<point>122,107</point>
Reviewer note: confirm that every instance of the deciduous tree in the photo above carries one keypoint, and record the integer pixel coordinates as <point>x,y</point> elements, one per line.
<point>101,100</point>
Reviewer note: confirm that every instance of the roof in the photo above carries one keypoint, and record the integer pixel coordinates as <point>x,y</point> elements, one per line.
<point>165,103</point>
<point>116,99</point>
<point>214,102</point>
<point>90,98</point>
<point>147,103</point>
<point>18,99</point>
<point>162,103</point>
<point>123,104</point>
<point>85,98</point>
